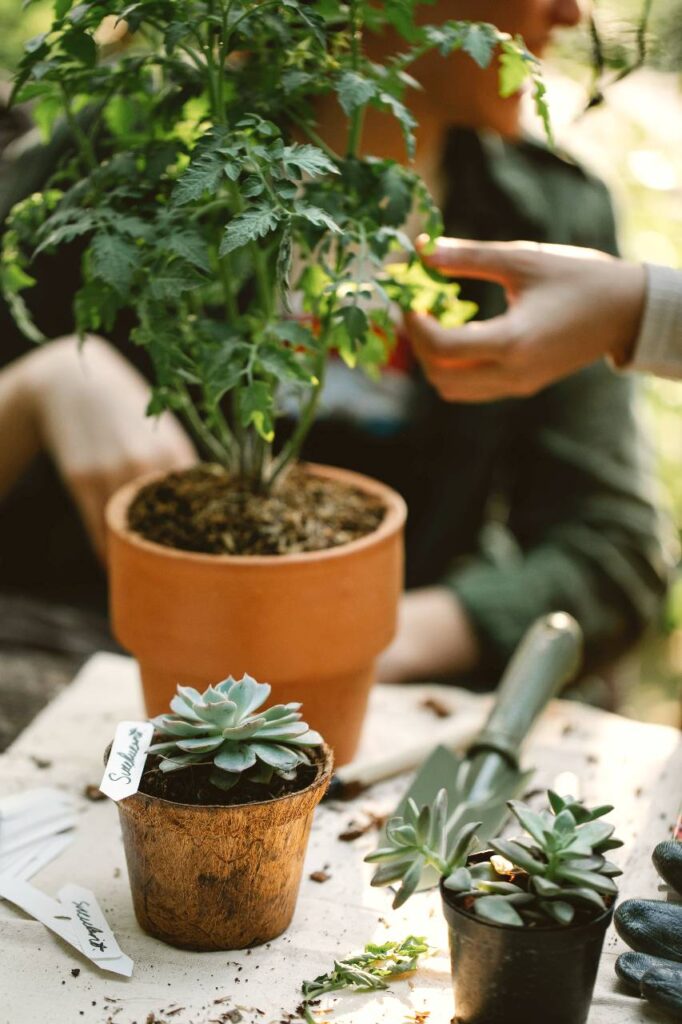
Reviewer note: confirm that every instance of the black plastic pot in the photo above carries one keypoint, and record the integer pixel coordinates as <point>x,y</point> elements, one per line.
<point>506,975</point>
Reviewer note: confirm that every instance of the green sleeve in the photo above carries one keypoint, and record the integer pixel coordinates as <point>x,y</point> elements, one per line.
<point>582,511</point>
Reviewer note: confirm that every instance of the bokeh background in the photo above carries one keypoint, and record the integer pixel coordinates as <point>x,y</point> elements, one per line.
<point>633,139</point>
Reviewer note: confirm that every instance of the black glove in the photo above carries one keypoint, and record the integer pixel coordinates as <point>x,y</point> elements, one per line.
<point>654,929</point>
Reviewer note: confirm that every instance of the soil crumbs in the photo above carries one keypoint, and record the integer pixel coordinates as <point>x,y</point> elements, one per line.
<point>205,509</point>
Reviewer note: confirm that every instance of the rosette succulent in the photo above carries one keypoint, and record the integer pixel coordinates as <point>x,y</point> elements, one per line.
<point>224,728</point>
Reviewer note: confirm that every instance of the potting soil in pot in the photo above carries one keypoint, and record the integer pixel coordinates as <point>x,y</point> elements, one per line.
<point>192,785</point>
<point>205,509</point>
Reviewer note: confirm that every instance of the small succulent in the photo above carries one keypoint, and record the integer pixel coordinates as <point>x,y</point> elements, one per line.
<point>223,727</point>
<point>548,875</point>
<point>544,877</point>
<point>418,840</point>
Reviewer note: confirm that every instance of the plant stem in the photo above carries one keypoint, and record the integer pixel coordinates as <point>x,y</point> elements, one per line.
<point>83,142</point>
<point>292,448</point>
<point>211,443</point>
<point>313,135</point>
<point>358,116</point>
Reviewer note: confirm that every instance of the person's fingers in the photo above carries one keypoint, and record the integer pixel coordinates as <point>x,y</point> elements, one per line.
<point>484,383</point>
<point>501,262</point>
<point>479,341</point>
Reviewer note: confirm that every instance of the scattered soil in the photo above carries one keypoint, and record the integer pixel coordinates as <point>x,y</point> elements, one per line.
<point>205,509</point>
<point>439,709</point>
<point>191,785</point>
<point>319,876</point>
<point>94,793</point>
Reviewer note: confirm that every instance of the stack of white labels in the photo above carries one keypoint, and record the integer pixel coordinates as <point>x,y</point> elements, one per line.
<point>35,826</point>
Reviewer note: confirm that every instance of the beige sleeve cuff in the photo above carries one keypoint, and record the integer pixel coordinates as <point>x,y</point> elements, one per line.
<point>658,348</point>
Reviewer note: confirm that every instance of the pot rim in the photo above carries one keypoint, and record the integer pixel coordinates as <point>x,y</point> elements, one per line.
<point>322,779</point>
<point>553,929</point>
<point>394,520</point>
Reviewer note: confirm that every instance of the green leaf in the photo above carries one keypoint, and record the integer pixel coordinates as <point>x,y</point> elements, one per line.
<point>45,113</point>
<point>515,68</point>
<point>279,757</point>
<point>315,215</point>
<point>200,745</point>
<point>595,832</point>
<point>254,405</point>
<point>354,91</point>
<point>463,842</point>
<point>459,881</point>
<point>120,115</point>
<point>248,227</point>
<point>385,874</point>
<point>479,42</point>
<point>411,880</point>
<point>202,175</point>
<point>308,160</point>
<point>583,896</point>
<point>114,260</point>
<point>518,856</point>
<point>191,246</point>
<point>169,284</point>
<point>81,46</point>
<point>588,879</point>
<point>498,910</point>
<point>556,802</point>
<point>234,757</point>
<point>562,912</point>
<point>531,821</point>
<point>284,364</point>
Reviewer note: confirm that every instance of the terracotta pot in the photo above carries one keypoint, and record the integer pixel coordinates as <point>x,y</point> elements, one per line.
<point>210,878</point>
<point>310,624</point>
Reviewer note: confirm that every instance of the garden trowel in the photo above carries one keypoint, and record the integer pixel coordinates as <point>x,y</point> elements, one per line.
<point>480,783</point>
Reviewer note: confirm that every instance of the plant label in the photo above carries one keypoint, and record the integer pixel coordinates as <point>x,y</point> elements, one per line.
<point>76,920</point>
<point>93,934</point>
<point>126,760</point>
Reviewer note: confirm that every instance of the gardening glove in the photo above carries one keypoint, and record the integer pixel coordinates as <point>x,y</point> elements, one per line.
<point>654,929</point>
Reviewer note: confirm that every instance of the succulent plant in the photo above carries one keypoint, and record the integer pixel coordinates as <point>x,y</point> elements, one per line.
<point>546,876</point>
<point>542,878</point>
<point>419,840</point>
<point>223,727</point>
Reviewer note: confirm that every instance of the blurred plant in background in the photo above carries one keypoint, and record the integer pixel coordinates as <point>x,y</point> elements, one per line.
<point>633,139</point>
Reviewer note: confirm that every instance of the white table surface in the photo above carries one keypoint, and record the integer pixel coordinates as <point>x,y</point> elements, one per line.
<point>637,767</point>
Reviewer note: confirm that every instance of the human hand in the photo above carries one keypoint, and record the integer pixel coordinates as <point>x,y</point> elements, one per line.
<point>567,308</point>
<point>434,638</point>
<point>88,405</point>
<point>654,929</point>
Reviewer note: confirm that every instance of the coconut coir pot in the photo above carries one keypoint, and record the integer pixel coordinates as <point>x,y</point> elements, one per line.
<point>218,877</point>
<point>310,624</point>
<point>508,975</point>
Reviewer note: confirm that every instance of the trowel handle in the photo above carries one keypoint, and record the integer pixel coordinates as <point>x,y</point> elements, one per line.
<point>548,657</point>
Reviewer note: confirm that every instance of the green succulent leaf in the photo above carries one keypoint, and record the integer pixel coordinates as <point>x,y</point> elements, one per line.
<point>459,880</point>
<point>498,910</point>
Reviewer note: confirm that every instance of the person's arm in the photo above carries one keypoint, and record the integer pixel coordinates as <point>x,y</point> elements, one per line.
<point>434,638</point>
<point>85,406</point>
<point>568,307</point>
